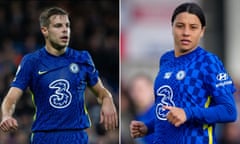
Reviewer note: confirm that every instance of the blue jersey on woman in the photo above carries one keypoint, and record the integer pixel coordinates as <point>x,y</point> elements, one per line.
<point>198,83</point>
<point>58,85</point>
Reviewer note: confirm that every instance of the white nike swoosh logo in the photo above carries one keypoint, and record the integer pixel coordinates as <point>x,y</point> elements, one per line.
<point>42,72</point>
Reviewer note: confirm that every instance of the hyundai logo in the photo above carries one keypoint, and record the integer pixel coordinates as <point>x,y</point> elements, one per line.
<point>222,76</point>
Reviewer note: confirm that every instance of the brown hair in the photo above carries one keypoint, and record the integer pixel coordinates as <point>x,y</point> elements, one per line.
<point>47,13</point>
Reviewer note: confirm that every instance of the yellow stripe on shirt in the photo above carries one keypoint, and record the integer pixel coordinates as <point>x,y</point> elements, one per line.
<point>206,126</point>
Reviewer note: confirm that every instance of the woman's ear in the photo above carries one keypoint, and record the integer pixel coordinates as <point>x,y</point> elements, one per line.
<point>203,31</point>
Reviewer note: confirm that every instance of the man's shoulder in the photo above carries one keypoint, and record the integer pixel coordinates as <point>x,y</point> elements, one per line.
<point>34,55</point>
<point>74,52</point>
<point>80,55</point>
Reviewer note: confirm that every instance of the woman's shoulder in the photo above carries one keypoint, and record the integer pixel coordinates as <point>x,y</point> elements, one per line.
<point>168,54</point>
<point>208,56</point>
<point>166,57</point>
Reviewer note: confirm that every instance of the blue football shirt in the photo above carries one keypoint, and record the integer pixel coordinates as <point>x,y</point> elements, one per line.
<point>198,83</point>
<point>145,117</point>
<point>58,85</point>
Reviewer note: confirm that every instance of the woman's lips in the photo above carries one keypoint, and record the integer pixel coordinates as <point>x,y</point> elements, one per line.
<point>185,42</point>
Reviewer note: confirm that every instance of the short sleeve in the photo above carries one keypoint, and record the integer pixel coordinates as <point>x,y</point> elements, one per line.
<point>23,74</point>
<point>92,72</point>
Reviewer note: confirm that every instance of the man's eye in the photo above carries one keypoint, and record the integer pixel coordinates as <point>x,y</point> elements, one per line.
<point>58,25</point>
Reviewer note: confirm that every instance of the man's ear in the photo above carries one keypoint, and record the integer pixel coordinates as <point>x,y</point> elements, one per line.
<point>44,31</point>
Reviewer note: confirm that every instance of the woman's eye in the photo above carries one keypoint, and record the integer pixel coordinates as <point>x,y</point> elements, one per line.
<point>179,26</point>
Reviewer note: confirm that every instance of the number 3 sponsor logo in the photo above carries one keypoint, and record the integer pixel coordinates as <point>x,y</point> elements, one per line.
<point>166,94</point>
<point>62,96</point>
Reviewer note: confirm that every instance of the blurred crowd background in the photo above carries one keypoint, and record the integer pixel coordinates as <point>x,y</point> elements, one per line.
<point>94,27</point>
<point>146,35</point>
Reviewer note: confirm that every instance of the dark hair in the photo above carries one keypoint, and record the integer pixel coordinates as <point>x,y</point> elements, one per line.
<point>191,8</point>
<point>47,13</point>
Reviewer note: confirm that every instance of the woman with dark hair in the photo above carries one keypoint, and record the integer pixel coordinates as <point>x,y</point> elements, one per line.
<point>192,89</point>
